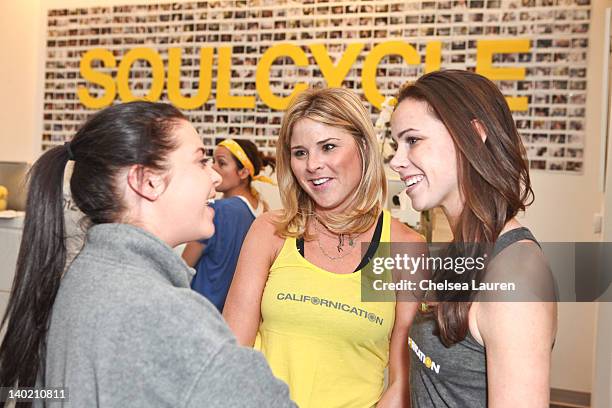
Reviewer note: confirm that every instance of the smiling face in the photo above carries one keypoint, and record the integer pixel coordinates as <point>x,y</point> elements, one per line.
<point>426,158</point>
<point>191,183</point>
<point>225,164</point>
<point>326,162</point>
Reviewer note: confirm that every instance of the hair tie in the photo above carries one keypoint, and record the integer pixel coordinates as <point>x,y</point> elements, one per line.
<point>69,150</point>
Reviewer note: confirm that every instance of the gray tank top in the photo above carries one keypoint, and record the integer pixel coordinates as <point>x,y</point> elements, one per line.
<point>455,376</point>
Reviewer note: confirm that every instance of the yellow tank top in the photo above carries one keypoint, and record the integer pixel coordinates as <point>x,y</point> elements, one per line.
<point>319,337</point>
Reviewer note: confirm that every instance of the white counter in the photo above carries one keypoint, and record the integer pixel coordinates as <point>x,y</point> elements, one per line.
<point>10,239</point>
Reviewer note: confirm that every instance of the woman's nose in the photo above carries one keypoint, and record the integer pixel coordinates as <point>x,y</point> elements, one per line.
<point>313,163</point>
<point>216,177</point>
<point>398,160</point>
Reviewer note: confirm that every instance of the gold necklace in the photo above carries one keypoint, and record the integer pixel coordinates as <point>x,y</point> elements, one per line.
<point>339,247</point>
<point>423,306</point>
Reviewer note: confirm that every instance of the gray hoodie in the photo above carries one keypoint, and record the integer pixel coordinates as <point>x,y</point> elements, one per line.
<point>127,331</point>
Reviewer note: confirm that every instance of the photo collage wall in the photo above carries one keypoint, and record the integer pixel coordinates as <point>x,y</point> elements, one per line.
<point>552,128</point>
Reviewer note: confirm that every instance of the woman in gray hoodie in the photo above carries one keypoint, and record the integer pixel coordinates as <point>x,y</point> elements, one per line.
<point>121,326</point>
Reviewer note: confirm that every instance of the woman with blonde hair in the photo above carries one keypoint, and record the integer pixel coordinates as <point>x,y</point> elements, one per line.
<point>296,294</point>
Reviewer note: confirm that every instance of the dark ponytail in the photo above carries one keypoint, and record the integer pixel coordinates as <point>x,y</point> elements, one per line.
<point>137,133</point>
<point>40,264</point>
<point>268,161</point>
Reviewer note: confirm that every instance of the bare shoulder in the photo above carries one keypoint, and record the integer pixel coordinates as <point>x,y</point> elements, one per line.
<point>524,264</point>
<point>267,221</point>
<point>496,320</point>
<point>263,232</point>
<point>400,232</point>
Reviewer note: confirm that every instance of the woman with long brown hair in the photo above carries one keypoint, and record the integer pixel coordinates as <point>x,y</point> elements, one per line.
<point>119,325</point>
<point>458,149</point>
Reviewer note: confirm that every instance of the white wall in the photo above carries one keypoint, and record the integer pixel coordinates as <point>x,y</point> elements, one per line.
<point>563,211</point>
<point>602,379</point>
<point>602,372</point>
<point>20,48</point>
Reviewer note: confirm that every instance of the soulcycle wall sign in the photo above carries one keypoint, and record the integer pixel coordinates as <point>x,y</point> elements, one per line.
<point>166,72</point>
<point>232,65</point>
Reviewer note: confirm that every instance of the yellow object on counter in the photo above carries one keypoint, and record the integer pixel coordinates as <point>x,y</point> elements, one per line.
<point>3,198</point>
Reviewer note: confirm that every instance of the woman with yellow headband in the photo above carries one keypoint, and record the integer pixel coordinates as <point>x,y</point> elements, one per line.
<point>239,163</point>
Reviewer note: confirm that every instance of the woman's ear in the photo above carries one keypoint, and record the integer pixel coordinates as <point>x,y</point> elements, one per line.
<point>145,182</point>
<point>480,129</point>
<point>243,173</point>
